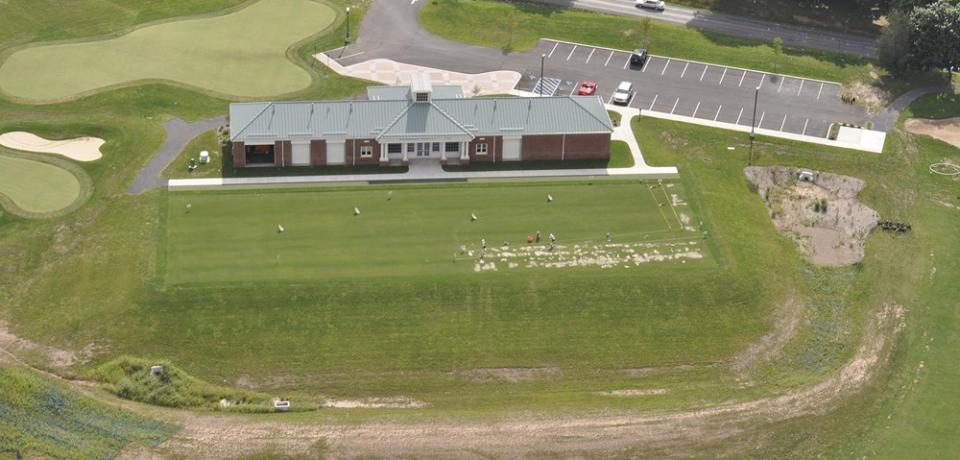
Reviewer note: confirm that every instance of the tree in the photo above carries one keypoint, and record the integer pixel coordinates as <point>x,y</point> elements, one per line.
<point>936,36</point>
<point>777,51</point>
<point>893,45</point>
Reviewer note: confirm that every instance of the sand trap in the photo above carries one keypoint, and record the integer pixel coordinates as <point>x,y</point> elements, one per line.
<point>946,130</point>
<point>80,149</point>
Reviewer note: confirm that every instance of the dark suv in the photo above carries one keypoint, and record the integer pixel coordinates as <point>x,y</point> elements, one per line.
<point>638,58</point>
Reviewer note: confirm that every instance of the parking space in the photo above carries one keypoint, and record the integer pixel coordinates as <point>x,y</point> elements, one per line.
<point>699,90</point>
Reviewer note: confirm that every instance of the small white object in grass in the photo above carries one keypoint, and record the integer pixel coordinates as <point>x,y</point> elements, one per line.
<point>549,198</point>
<point>730,148</point>
<point>279,228</point>
<point>356,211</point>
<point>390,195</point>
<point>189,206</point>
<point>473,217</point>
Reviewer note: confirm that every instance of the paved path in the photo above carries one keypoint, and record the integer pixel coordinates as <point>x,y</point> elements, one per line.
<point>179,134</point>
<point>733,25</point>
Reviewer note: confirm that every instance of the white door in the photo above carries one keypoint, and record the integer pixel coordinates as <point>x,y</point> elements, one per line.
<point>301,154</point>
<point>335,153</point>
<point>511,150</point>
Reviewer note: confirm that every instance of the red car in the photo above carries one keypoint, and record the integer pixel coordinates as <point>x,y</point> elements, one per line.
<point>587,88</point>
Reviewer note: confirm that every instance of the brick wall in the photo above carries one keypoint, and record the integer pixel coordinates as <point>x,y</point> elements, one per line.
<point>239,155</point>
<point>541,147</point>
<point>587,147</point>
<point>352,156</point>
<point>282,153</point>
<point>494,149</point>
<point>318,152</point>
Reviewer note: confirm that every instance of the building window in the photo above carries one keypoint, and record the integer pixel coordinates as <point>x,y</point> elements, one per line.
<point>394,148</point>
<point>423,97</point>
<point>436,147</point>
<point>366,151</point>
<point>481,149</point>
<point>452,147</point>
<point>410,147</point>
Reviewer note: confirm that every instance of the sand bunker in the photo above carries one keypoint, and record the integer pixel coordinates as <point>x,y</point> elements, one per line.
<point>946,130</point>
<point>80,149</point>
<point>822,214</point>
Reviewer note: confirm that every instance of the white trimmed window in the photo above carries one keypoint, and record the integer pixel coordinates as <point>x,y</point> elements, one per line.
<point>366,151</point>
<point>481,149</point>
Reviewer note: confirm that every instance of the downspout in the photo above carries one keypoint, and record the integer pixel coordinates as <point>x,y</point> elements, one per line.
<point>563,147</point>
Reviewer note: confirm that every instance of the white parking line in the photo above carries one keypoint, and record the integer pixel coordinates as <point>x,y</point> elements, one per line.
<point>575,88</point>
<point>695,110</point>
<point>783,123</point>
<point>609,57</point>
<point>704,72</point>
<point>718,113</point>
<point>821,90</point>
<point>724,75</point>
<point>625,64</point>
<point>674,106</point>
<point>763,77</point>
<point>571,52</point>
<point>555,45</point>
<point>665,67</point>
<point>738,116</point>
<point>741,78</point>
<point>804,133</point>
<point>781,85</point>
<point>801,87</point>
<point>684,70</point>
<point>610,100</point>
<point>761,119</point>
<point>590,56</point>
<point>352,55</point>
<point>655,96</point>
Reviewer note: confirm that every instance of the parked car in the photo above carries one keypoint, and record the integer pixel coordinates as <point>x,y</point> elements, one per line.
<point>638,57</point>
<point>657,5</point>
<point>587,88</point>
<point>624,93</point>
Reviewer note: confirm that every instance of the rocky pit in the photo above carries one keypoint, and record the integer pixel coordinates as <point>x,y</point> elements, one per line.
<point>821,214</point>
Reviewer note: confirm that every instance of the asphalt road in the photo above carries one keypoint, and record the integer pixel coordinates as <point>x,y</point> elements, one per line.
<point>179,134</point>
<point>732,25</point>
<point>390,30</point>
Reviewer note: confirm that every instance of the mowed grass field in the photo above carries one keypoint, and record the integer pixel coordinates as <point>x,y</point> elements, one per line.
<point>242,53</point>
<point>37,187</point>
<point>401,231</point>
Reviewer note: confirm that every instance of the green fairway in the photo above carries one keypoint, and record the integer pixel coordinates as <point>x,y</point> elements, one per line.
<point>37,187</point>
<point>234,236</point>
<point>240,54</point>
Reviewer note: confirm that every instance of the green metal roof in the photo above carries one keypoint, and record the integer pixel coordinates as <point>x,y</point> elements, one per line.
<point>402,118</point>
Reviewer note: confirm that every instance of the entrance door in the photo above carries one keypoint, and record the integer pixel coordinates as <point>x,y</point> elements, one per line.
<point>423,149</point>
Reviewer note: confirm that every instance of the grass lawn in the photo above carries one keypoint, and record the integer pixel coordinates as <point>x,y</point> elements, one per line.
<point>844,17</point>
<point>206,141</point>
<point>37,187</point>
<point>469,21</point>
<point>937,106</point>
<point>620,157</point>
<point>229,54</point>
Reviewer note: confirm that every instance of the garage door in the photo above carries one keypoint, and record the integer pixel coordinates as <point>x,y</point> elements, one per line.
<point>511,150</point>
<point>335,153</point>
<point>301,154</point>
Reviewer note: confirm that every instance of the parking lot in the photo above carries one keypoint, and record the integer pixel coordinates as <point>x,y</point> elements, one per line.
<point>694,89</point>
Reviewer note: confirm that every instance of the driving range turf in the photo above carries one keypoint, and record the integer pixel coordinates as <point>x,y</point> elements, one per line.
<point>242,53</point>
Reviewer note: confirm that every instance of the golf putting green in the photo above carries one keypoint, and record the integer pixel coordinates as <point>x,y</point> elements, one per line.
<point>36,187</point>
<point>242,54</point>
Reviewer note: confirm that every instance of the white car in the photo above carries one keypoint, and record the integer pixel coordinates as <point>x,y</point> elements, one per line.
<point>651,4</point>
<point>624,93</point>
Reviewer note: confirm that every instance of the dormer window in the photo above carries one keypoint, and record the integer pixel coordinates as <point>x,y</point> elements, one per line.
<point>423,96</point>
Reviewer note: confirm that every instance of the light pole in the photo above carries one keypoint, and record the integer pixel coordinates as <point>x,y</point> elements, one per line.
<point>753,125</point>
<point>347,40</point>
<point>543,57</point>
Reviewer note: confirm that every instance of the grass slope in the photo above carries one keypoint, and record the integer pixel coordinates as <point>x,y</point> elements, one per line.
<point>937,106</point>
<point>231,54</point>
<point>469,21</point>
<point>37,187</point>
<point>42,419</point>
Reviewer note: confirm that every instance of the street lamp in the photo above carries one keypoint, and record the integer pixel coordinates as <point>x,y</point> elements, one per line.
<point>543,57</point>
<point>753,125</point>
<point>347,41</point>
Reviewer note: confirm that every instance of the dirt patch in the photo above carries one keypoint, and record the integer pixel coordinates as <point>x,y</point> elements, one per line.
<point>946,130</point>
<point>54,357</point>
<point>871,97</point>
<point>398,402</point>
<point>208,436</point>
<point>636,392</point>
<point>508,374</point>
<point>821,214</point>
